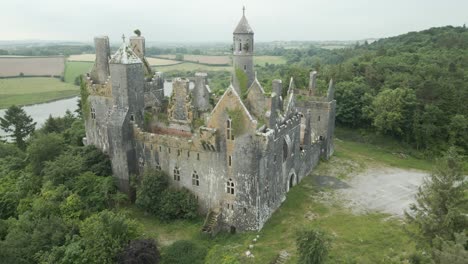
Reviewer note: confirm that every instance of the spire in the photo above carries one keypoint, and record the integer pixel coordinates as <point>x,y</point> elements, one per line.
<point>243,27</point>
<point>123,38</point>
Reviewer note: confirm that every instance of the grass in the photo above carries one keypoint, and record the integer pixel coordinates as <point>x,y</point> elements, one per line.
<point>74,69</point>
<point>188,66</point>
<point>26,91</point>
<point>366,238</point>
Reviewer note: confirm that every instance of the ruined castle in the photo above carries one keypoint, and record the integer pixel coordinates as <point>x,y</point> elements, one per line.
<point>239,154</point>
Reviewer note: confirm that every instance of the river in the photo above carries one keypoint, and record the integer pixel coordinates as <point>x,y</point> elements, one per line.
<point>40,112</point>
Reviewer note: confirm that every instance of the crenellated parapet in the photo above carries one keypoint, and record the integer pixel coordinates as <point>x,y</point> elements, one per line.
<point>99,89</point>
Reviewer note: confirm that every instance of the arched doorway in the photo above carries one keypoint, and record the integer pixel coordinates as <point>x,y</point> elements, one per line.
<point>291,181</point>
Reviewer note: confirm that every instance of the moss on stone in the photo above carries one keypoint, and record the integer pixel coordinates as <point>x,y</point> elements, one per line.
<point>243,81</point>
<point>84,93</point>
<point>237,122</point>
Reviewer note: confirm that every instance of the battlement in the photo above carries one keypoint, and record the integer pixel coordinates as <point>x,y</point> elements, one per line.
<point>97,89</point>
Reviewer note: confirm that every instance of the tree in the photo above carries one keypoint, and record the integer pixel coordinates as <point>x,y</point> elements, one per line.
<point>392,111</point>
<point>18,123</point>
<point>313,246</point>
<point>141,251</point>
<point>452,252</point>
<point>438,208</point>
<point>43,148</point>
<point>150,190</point>
<point>104,235</point>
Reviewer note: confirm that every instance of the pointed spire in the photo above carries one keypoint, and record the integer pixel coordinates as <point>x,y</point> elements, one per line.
<point>243,26</point>
<point>243,11</point>
<point>331,91</point>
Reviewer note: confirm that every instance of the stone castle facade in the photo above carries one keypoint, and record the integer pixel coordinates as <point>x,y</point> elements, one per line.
<point>239,155</point>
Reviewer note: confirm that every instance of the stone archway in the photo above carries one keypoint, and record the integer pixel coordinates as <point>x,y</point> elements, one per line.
<point>292,181</point>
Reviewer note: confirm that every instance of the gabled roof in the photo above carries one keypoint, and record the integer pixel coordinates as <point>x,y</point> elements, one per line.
<point>243,27</point>
<point>256,86</point>
<point>237,97</point>
<point>125,55</point>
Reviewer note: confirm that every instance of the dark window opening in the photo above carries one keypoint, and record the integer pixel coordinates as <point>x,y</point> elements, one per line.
<point>198,156</point>
<point>245,210</point>
<point>195,179</point>
<point>240,46</point>
<point>285,150</point>
<point>230,186</point>
<point>93,113</point>
<point>132,118</point>
<point>188,154</point>
<point>230,161</point>
<point>318,118</point>
<point>233,230</point>
<point>178,152</point>
<point>176,174</point>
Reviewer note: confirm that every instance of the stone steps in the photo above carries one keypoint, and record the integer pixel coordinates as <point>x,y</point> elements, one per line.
<point>210,222</point>
<point>282,258</point>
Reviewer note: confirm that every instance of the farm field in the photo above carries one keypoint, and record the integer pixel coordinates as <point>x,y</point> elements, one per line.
<point>92,57</point>
<point>25,91</point>
<point>188,66</point>
<point>73,69</point>
<point>31,66</point>
<point>369,237</point>
<point>219,60</point>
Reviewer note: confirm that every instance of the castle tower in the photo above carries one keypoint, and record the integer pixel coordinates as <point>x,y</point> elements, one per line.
<point>243,51</point>
<point>126,69</point>
<point>100,71</point>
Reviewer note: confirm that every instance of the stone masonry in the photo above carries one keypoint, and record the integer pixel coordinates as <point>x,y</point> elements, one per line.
<point>239,156</point>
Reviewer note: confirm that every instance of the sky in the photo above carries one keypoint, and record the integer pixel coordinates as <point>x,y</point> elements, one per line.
<point>214,20</point>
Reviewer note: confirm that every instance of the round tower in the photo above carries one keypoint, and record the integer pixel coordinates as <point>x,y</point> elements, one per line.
<point>243,51</point>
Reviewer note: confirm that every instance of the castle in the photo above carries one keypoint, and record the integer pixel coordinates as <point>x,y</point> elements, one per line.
<point>239,155</point>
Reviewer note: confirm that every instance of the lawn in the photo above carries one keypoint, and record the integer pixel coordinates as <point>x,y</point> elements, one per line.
<point>366,238</point>
<point>25,91</point>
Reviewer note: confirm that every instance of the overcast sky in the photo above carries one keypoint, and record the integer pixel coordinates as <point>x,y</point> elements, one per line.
<point>214,20</point>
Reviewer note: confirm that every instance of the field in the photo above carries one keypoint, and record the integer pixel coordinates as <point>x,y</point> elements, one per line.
<point>357,238</point>
<point>25,91</point>
<point>32,66</point>
<point>91,58</point>
<point>225,60</point>
<point>76,68</point>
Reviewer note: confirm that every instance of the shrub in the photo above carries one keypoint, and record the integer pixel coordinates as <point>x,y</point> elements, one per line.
<point>178,204</point>
<point>184,252</point>
<point>149,193</point>
<point>312,246</point>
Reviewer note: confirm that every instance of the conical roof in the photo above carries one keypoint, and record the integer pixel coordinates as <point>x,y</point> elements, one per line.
<point>125,55</point>
<point>243,27</point>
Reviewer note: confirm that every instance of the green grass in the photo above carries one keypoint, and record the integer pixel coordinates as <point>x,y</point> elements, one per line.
<point>367,238</point>
<point>25,91</point>
<point>74,69</point>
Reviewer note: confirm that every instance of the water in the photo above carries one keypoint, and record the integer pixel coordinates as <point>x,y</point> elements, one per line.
<point>40,112</point>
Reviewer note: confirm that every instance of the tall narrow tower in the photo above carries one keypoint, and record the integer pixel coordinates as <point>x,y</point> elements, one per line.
<point>243,51</point>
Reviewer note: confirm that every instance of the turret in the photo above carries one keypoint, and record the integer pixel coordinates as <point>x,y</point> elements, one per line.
<point>100,71</point>
<point>201,93</point>
<point>331,91</point>
<point>127,74</point>
<point>243,51</point>
<point>312,83</point>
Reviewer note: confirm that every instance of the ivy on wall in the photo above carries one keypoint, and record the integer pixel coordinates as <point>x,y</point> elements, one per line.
<point>237,122</point>
<point>84,93</point>
<point>243,80</point>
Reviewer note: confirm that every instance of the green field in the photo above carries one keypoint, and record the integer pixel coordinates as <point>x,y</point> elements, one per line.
<point>74,69</point>
<point>262,60</point>
<point>366,238</point>
<point>25,91</point>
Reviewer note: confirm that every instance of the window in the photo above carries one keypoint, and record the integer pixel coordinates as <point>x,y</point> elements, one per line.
<point>285,150</point>
<point>229,134</point>
<point>93,113</point>
<point>141,162</point>
<point>169,150</point>
<point>240,46</point>
<point>176,173</point>
<point>160,148</point>
<point>178,152</point>
<point>198,156</point>
<point>132,118</point>
<point>245,67</point>
<point>245,210</point>
<point>230,160</point>
<point>195,179</point>
<point>188,154</point>
<point>158,166</point>
<point>230,186</point>
<point>318,118</point>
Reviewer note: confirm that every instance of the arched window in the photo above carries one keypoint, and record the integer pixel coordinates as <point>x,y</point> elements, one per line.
<point>285,150</point>
<point>230,186</point>
<point>195,179</point>
<point>229,134</point>
<point>93,113</point>
<point>176,173</point>
<point>240,46</point>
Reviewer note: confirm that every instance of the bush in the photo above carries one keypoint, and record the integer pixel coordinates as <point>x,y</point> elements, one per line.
<point>155,197</point>
<point>141,251</point>
<point>313,246</point>
<point>184,252</point>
